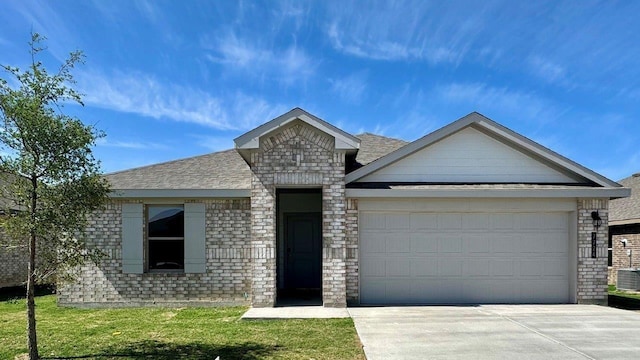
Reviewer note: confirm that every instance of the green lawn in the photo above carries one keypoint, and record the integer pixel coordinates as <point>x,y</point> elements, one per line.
<point>186,333</point>
<point>614,291</point>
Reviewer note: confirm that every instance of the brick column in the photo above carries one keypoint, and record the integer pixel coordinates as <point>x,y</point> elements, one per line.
<point>592,272</point>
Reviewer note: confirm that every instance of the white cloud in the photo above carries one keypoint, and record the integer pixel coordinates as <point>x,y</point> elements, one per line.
<point>546,69</point>
<point>351,88</point>
<point>146,96</point>
<point>286,65</point>
<point>140,145</point>
<point>484,97</point>
<point>407,30</point>
<point>214,143</point>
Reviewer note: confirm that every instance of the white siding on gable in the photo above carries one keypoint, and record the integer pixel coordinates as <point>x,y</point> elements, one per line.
<point>468,156</point>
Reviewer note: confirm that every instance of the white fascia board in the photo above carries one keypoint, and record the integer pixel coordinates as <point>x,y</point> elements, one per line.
<point>180,193</point>
<point>624,222</point>
<point>547,154</point>
<point>251,139</point>
<point>489,193</point>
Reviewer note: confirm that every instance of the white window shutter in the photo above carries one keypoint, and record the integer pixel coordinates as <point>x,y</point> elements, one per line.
<point>194,238</point>
<point>132,238</point>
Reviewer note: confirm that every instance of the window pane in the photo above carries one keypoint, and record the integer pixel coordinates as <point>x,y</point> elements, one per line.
<point>610,263</point>
<point>166,221</point>
<point>166,254</point>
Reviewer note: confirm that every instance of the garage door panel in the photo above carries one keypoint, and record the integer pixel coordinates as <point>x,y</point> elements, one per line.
<point>450,244</point>
<point>399,221</point>
<point>450,221</point>
<point>501,268</point>
<point>398,243</point>
<point>420,221</point>
<point>423,243</point>
<point>557,268</point>
<point>375,243</point>
<point>477,244</point>
<point>477,267</point>
<point>450,267</point>
<point>373,267</point>
<point>475,222</point>
<point>425,267</point>
<point>372,221</point>
<point>502,243</point>
<point>398,268</point>
<point>552,245</point>
<point>499,257</point>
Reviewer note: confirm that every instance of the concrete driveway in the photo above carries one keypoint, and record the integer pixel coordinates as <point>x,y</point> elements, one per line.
<point>498,332</point>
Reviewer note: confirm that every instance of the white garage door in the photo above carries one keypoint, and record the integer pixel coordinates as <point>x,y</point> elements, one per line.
<point>415,257</point>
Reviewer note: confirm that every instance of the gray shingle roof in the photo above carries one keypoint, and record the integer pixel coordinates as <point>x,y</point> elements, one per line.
<point>627,208</point>
<point>373,147</point>
<point>223,170</point>
<point>219,170</point>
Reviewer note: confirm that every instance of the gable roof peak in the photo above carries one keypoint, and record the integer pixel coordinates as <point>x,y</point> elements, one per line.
<point>251,139</point>
<point>495,130</point>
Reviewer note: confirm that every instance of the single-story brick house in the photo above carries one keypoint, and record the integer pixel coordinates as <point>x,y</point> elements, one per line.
<point>624,229</point>
<point>471,213</point>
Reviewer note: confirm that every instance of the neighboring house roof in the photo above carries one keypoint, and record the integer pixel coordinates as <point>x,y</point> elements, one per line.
<point>221,170</point>
<point>626,210</point>
<point>496,130</point>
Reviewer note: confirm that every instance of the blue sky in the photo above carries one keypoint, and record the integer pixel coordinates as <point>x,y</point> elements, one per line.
<point>173,79</point>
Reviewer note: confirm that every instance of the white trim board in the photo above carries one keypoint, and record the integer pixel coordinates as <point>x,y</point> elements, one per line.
<point>180,193</point>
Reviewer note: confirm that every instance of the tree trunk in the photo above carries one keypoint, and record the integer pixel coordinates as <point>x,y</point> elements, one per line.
<point>31,304</point>
<point>31,283</point>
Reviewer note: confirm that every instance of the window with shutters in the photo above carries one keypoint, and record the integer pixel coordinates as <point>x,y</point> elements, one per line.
<point>165,238</point>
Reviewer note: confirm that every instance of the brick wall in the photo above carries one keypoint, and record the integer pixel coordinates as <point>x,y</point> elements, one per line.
<point>592,272</point>
<point>620,258</point>
<point>298,155</point>
<point>228,266</point>
<point>13,262</point>
<point>353,289</point>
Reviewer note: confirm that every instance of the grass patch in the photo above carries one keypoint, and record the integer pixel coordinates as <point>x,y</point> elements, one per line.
<point>185,333</point>
<point>623,300</point>
<point>614,291</point>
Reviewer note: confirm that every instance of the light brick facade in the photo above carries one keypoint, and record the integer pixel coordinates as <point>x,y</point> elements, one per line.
<point>592,272</point>
<point>228,256</point>
<point>298,156</point>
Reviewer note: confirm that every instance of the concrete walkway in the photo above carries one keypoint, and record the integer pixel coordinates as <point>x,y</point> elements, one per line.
<point>498,332</point>
<point>295,312</point>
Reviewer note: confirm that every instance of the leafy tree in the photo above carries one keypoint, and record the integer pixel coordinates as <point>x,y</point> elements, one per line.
<point>51,176</point>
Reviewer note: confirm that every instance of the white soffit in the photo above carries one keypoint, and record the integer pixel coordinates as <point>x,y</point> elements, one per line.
<point>495,131</point>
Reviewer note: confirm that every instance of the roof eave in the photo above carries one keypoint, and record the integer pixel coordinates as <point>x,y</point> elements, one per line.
<point>179,193</point>
<point>609,193</point>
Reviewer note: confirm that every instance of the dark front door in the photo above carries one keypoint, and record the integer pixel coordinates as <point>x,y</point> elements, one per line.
<point>303,250</point>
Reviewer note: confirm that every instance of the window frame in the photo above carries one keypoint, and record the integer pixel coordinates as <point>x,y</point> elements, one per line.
<point>148,239</point>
